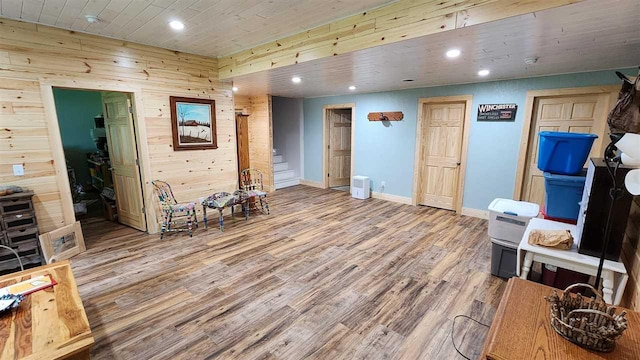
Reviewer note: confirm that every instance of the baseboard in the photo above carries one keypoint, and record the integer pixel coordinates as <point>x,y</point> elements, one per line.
<point>482,214</point>
<point>390,197</point>
<point>312,183</point>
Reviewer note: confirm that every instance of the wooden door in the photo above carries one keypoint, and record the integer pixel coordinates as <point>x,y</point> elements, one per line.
<point>242,136</point>
<point>575,113</point>
<point>118,121</point>
<point>440,153</point>
<point>339,147</point>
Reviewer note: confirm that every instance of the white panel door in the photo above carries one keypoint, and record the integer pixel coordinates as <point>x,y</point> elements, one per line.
<point>439,167</point>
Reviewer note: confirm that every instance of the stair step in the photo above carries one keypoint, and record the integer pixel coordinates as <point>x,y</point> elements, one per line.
<point>277,159</point>
<point>283,175</point>
<point>286,183</point>
<point>282,166</point>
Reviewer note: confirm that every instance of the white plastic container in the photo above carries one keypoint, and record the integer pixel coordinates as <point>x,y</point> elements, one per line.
<point>508,219</point>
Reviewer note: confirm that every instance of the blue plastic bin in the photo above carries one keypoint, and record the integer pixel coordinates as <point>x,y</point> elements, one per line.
<point>562,152</point>
<point>564,193</point>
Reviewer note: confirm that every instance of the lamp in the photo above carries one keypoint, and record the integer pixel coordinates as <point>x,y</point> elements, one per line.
<point>629,146</point>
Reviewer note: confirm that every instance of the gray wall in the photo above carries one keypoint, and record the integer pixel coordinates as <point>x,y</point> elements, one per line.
<point>287,131</point>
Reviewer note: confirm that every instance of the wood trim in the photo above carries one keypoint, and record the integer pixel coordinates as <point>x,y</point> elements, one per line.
<point>480,214</point>
<point>46,89</point>
<point>325,139</point>
<point>311,183</point>
<point>466,131</point>
<point>398,21</point>
<point>528,114</point>
<point>393,198</point>
<point>144,157</point>
<point>57,152</point>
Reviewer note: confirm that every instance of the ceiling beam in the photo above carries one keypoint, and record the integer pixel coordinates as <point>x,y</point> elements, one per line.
<point>402,20</point>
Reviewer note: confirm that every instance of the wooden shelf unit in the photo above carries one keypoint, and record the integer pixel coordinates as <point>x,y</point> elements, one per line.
<point>19,231</point>
<point>100,174</point>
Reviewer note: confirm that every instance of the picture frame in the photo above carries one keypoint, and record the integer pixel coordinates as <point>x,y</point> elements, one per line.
<point>63,243</point>
<point>193,123</point>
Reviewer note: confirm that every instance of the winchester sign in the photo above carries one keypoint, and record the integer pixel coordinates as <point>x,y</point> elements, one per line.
<point>497,112</point>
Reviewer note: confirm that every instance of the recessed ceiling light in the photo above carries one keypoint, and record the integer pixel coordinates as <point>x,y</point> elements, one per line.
<point>352,87</point>
<point>453,53</point>
<point>176,25</point>
<point>296,79</point>
<point>91,19</point>
<point>484,72</point>
<point>235,88</point>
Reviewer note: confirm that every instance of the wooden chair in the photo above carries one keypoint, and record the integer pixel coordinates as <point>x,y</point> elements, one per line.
<point>251,182</point>
<point>170,207</point>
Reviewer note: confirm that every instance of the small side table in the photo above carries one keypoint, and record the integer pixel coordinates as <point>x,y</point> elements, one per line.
<point>614,274</point>
<point>222,200</point>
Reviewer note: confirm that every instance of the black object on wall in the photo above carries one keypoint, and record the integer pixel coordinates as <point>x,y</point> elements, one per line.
<point>594,211</point>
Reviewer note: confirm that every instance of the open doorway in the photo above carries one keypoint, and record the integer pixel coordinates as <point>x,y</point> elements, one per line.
<point>100,149</point>
<point>338,146</point>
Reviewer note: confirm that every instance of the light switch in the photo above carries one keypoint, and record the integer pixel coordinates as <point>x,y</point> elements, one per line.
<point>18,170</point>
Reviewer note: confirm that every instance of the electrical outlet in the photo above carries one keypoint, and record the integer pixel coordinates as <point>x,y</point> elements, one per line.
<point>18,170</point>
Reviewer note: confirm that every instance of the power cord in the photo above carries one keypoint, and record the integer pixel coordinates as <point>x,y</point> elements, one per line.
<point>453,331</point>
<point>14,253</point>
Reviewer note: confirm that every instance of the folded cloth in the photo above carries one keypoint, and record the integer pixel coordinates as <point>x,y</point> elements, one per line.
<point>559,239</point>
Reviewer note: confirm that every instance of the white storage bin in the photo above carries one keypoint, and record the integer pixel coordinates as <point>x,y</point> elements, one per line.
<point>509,218</point>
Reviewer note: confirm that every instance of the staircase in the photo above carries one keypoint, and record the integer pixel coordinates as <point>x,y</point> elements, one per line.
<point>282,176</point>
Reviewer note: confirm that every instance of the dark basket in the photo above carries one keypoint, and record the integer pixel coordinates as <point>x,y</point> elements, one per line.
<point>587,322</point>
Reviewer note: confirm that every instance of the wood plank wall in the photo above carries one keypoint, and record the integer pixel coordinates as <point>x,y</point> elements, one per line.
<point>260,134</point>
<point>242,104</point>
<point>32,53</point>
<point>631,257</point>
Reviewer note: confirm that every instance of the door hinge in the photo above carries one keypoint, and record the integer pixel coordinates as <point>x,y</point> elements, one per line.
<point>130,109</point>
<point>328,146</point>
<point>327,175</point>
<point>142,210</point>
<point>137,162</point>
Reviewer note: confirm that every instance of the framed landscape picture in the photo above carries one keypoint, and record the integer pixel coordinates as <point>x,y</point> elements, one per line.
<point>193,123</point>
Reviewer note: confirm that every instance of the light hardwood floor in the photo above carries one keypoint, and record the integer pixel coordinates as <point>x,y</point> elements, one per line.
<point>324,276</point>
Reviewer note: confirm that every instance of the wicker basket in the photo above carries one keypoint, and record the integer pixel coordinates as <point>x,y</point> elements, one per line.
<point>589,323</point>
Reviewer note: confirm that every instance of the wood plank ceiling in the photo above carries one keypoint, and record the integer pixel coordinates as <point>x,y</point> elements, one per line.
<point>590,35</point>
<point>585,36</point>
<point>213,27</point>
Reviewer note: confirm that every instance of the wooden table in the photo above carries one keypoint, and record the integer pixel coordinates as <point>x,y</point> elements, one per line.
<point>521,329</point>
<point>614,274</point>
<point>48,324</point>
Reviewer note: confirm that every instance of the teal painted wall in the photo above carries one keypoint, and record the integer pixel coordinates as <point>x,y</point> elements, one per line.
<point>387,153</point>
<point>76,109</point>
